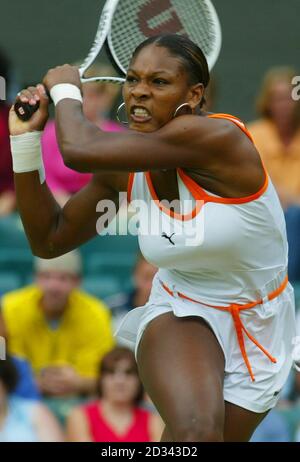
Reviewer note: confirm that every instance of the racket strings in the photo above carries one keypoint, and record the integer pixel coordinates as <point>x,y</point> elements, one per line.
<point>133,22</point>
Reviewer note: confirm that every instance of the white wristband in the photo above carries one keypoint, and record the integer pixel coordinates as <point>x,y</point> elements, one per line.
<point>27,153</point>
<point>65,90</point>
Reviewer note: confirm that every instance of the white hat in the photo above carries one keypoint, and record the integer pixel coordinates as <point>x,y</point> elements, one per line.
<point>68,263</point>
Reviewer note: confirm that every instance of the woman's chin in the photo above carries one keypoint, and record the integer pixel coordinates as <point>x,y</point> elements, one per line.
<point>142,127</point>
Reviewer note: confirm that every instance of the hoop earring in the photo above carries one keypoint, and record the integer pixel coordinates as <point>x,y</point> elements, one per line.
<point>118,115</point>
<point>181,106</point>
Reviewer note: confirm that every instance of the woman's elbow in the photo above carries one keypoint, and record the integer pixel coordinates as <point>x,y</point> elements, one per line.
<point>73,159</point>
<point>46,250</point>
<point>43,252</point>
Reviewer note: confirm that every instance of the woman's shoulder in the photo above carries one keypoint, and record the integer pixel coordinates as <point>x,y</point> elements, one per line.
<point>143,413</point>
<point>87,407</point>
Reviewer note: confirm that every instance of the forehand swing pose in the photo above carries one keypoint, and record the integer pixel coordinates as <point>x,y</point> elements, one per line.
<point>213,343</point>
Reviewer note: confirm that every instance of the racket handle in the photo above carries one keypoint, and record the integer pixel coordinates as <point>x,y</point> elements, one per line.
<point>25,111</point>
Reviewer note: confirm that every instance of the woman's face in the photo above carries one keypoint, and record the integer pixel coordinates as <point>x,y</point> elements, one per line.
<point>281,104</point>
<point>155,86</point>
<point>120,384</point>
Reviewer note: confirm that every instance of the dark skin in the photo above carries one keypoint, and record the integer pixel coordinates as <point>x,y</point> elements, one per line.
<point>215,153</point>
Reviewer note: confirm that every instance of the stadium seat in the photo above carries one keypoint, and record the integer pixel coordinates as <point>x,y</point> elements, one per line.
<point>110,245</point>
<point>8,282</point>
<point>101,287</point>
<point>12,235</point>
<point>16,261</point>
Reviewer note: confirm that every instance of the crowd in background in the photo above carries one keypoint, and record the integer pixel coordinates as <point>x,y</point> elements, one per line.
<point>65,378</point>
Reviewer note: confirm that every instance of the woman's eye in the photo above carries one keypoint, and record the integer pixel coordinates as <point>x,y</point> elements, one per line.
<point>160,81</point>
<point>130,79</point>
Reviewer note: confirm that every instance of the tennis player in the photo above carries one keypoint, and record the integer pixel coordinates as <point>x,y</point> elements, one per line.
<point>214,341</point>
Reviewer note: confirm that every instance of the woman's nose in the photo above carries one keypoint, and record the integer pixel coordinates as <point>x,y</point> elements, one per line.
<point>141,90</point>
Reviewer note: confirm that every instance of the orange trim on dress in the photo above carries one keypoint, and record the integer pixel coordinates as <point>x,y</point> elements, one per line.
<point>177,216</point>
<point>234,119</point>
<point>129,187</point>
<point>234,309</point>
<point>200,194</point>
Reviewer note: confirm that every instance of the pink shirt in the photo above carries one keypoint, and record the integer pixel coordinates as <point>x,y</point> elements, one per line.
<point>6,171</point>
<point>138,432</point>
<point>61,179</point>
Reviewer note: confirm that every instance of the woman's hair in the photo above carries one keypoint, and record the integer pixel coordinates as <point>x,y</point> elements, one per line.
<point>109,363</point>
<point>274,75</point>
<point>8,374</point>
<point>190,55</point>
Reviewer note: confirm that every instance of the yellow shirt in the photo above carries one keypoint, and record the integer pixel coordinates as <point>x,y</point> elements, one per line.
<point>82,337</point>
<point>282,162</point>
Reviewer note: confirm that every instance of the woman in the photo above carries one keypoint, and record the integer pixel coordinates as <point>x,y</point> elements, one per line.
<point>205,382</point>
<point>116,416</point>
<point>277,137</point>
<point>23,420</point>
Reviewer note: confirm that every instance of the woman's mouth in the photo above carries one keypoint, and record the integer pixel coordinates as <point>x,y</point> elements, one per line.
<point>140,114</point>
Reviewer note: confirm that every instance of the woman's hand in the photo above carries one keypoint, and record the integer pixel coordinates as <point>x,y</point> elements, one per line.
<point>62,74</point>
<point>31,95</point>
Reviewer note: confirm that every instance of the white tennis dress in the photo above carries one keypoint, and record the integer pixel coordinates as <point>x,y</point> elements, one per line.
<point>224,260</point>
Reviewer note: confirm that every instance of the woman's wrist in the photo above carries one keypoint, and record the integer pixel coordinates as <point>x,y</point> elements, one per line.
<point>65,90</point>
<point>27,153</point>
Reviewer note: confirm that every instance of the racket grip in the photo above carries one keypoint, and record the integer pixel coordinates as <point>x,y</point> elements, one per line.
<point>25,111</point>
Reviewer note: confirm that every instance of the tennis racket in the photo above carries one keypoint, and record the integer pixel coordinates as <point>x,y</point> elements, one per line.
<point>124,24</point>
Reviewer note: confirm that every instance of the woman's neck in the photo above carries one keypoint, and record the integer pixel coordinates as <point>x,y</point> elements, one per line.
<point>286,130</point>
<point>116,407</point>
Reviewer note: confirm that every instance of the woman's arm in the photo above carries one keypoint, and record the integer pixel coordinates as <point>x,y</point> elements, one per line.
<point>77,427</point>
<point>187,142</point>
<point>46,425</point>
<point>53,231</point>
<point>156,427</point>
<point>50,229</point>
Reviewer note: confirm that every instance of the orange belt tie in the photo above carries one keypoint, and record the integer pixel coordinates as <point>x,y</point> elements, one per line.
<point>235,309</point>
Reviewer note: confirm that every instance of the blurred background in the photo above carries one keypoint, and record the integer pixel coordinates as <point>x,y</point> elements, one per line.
<point>252,80</point>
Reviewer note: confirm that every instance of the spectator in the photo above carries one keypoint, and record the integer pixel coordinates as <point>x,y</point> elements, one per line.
<point>26,387</point>
<point>7,194</point>
<point>22,420</point>
<point>98,99</point>
<point>61,331</point>
<point>277,137</point>
<point>116,416</point>
<point>120,304</point>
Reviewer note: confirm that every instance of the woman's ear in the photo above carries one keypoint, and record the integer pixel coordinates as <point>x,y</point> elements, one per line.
<point>196,95</point>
